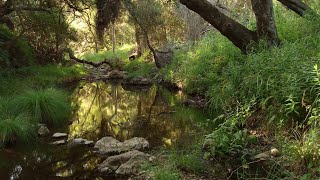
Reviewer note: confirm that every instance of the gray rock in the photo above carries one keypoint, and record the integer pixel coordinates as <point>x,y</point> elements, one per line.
<point>60,135</point>
<point>43,131</point>
<point>124,164</point>
<point>80,141</point>
<point>61,142</point>
<point>110,146</point>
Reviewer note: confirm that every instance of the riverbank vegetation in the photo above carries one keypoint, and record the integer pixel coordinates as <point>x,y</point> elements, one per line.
<point>260,78</point>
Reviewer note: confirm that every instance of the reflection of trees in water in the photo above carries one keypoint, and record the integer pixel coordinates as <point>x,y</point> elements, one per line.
<point>104,109</point>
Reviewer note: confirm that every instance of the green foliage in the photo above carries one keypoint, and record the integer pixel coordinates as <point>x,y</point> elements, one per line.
<point>48,106</point>
<point>14,127</point>
<point>304,150</point>
<point>199,67</point>
<point>189,160</point>
<point>49,34</point>
<point>229,137</point>
<point>164,173</point>
<point>15,51</point>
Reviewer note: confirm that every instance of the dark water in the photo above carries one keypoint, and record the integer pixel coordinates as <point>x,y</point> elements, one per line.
<point>105,109</point>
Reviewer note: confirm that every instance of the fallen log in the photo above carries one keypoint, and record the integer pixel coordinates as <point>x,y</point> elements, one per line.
<point>95,64</point>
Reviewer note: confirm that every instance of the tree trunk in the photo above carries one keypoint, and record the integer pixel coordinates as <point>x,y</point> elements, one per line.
<point>266,26</point>
<point>295,5</point>
<point>113,38</point>
<point>238,34</point>
<point>138,41</point>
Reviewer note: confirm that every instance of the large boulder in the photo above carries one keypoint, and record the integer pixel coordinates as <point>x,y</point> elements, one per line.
<point>110,146</point>
<point>124,164</point>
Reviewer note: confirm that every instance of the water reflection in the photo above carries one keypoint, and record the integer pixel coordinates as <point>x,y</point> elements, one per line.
<point>104,109</point>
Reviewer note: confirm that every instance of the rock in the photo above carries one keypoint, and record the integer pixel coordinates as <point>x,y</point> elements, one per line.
<point>60,135</point>
<point>124,164</point>
<point>139,81</point>
<point>61,142</point>
<point>110,146</point>
<point>197,102</point>
<point>116,74</point>
<point>43,131</point>
<point>275,152</point>
<point>80,141</point>
<point>262,156</point>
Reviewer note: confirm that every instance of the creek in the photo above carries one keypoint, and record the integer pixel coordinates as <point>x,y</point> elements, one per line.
<point>106,109</point>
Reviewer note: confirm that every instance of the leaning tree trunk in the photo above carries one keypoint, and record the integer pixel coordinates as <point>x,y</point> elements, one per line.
<point>295,5</point>
<point>113,38</point>
<point>238,34</point>
<point>266,26</point>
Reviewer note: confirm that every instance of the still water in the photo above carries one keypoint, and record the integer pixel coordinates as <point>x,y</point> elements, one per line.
<point>105,109</point>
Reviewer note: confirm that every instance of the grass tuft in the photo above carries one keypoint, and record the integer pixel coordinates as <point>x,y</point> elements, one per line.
<point>14,127</point>
<point>48,106</point>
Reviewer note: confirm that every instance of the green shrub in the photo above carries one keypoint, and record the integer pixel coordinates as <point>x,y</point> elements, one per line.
<point>49,106</point>
<point>230,137</point>
<point>304,149</point>
<point>14,127</point>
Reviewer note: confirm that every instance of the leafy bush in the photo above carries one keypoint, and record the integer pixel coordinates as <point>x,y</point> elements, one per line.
<point>49,106</point>
<point>229,137</point>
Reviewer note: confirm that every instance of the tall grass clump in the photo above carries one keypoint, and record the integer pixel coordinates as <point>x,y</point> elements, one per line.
<point>14,127</point>
<point>48,106</point>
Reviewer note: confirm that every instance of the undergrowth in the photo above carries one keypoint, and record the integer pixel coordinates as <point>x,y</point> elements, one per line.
<point>280,84</point>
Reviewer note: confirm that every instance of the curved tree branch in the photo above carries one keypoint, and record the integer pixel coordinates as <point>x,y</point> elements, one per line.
<point>95,64</point>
